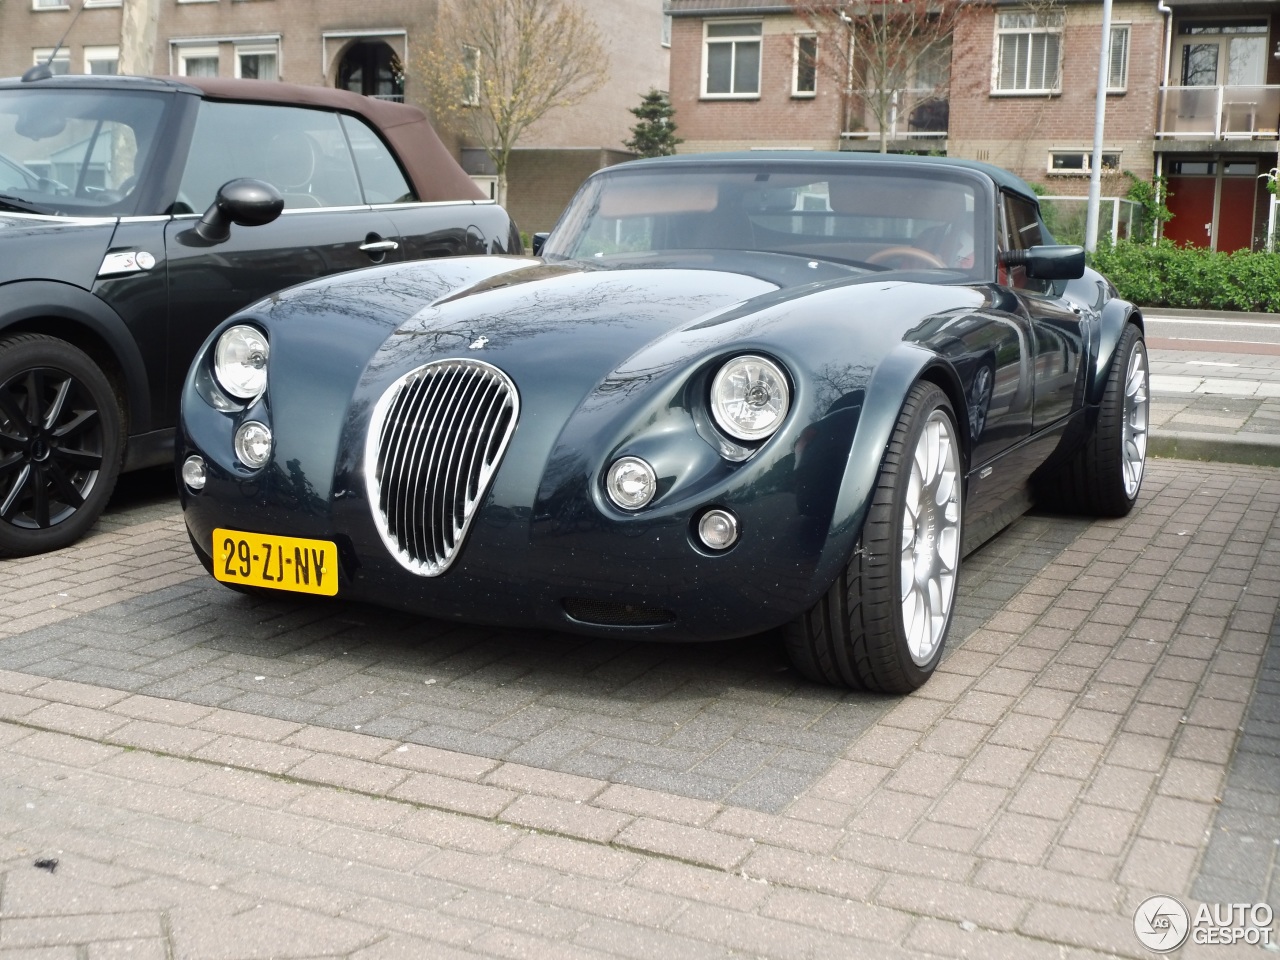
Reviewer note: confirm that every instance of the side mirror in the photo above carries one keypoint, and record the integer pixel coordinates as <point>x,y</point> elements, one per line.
<point>1047,262</point>
<point>539,239</point>
<point>244,202</point>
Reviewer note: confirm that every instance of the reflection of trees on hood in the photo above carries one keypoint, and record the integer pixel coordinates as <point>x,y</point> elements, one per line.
<point>834,384</point>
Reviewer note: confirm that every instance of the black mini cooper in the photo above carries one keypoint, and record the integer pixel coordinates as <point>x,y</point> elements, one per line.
<point>122,207</point>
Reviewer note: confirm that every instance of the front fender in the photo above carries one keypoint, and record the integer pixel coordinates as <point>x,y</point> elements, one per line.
<point>71,312</point>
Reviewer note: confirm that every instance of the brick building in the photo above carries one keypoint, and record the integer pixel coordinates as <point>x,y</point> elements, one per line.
<point>1193,95</point>
<point>366,47</point>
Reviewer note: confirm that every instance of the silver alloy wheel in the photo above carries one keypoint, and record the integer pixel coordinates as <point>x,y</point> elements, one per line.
<point>930,553</point>
<point>1136,394</point>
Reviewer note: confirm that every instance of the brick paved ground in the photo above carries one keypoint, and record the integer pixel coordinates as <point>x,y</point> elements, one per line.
<point>225,777</point>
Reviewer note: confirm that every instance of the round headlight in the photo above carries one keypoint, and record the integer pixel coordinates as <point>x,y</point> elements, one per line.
<point>240,361</point>
<point>193,472</point>
<point>253,443</point>
<point>718,529</point>
<point>750,397</point>
<point>631,483</point>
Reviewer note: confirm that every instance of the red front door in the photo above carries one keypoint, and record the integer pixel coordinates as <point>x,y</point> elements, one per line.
<point>1235,213</point>
<point>1191,203</point>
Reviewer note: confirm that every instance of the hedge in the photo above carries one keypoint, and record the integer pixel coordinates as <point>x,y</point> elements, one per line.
<point>1166,275</point>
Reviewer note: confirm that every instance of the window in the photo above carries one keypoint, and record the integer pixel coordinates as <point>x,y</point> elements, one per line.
<point>258,62</point>
<point>1080,161</point>
<point>471,76</point>
<point>805,79</point>
<point>102,60</point>
<point>60,65</point>
<point>380,175</point>
<point>303,153</point>
<point>1118,71</point>
<point>731,56</point>
<point>198,61</point>
<point>102,3</point>
<point>49,5</point>
<point>1022,231</point>
<point>1028,47</point>
<point>666,23</point>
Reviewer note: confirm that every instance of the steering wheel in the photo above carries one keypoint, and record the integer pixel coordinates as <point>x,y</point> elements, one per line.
<point>885,257</point>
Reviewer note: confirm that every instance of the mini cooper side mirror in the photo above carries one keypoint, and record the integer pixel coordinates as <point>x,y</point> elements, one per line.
<point>244,202</point>
<point>1047,262</point>
<point>539,239</point>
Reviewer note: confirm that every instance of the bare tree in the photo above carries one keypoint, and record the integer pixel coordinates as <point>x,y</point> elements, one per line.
<point>891,59</point>
<point>495,67</point>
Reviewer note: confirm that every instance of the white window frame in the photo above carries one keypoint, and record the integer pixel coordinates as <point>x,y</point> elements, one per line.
<point>1043,24</point>
<point>733,41</point>
<point>1118,29</point>
<point>795,66</point>
<point>63,57</point>
<point>186,53</point>
<point>257,49</point>
<point>1086,168</point>
<point>42,5</point>
<point>197,1</point>
<point>102,3</point>
<point>98,54</point>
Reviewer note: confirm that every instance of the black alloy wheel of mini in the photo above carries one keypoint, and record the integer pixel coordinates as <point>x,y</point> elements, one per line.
<point>62,439</point>
<point>882,625</point>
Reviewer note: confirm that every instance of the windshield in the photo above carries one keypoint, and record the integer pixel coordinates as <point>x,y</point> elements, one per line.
<point>872,218</point>
<point>75,152</point>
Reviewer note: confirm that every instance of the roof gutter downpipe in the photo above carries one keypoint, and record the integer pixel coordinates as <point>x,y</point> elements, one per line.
<point>1158,228</point>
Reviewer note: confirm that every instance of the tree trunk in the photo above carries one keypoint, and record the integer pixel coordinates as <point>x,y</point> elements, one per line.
<point>138,21</point>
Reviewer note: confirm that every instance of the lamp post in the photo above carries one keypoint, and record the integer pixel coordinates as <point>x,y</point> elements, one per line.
<point>1099,122</point>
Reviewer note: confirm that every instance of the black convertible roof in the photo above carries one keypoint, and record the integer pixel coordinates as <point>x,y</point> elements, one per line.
<point>1003,178</point>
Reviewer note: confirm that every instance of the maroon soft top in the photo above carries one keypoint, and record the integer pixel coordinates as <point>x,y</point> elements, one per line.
<point>428,164</point>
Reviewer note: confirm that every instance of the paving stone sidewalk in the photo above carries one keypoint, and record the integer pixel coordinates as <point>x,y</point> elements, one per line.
<point>1105,728</point>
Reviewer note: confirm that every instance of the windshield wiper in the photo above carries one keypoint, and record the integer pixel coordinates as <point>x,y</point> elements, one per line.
<point>22,206</point>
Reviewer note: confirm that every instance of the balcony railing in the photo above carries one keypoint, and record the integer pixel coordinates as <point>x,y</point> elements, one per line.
<point>1220,113</point>
<point>925,120</point>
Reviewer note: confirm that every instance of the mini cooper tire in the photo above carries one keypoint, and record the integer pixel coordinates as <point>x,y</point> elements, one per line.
<point>62,443</point>
<point>883,623</point>
<point>1105,475</point>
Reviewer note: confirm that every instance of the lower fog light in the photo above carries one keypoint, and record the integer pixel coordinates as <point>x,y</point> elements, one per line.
<point>718,529</point>
<point>253,443</point>
<point>193,474</point>
<point>631,483</point>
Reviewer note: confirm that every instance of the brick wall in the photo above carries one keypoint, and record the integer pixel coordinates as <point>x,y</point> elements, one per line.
<point>542,182</point>
<point>1017,132</point>
<point>775,118</point>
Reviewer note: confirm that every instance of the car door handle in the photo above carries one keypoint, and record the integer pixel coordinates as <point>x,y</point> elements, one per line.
<point>379,246</point>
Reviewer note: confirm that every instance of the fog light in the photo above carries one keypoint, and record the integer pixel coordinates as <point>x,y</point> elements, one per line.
<point>253,443</point>
<point>631,483</point>
<point>193,472</point>
<point>718,529</point>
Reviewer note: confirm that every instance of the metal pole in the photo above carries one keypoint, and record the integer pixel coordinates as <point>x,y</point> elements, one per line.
<point>1099,122</point>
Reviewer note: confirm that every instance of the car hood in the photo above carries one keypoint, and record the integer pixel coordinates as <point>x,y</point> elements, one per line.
<point>63,249</point>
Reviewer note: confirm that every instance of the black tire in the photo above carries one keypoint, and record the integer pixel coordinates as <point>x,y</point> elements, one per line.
<point>62,443</point>
<point>856,635</point>
<point>1100,478</point>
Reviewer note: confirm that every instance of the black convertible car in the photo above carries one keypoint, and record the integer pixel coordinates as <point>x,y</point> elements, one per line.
<point>118,198</point>
<point>735,392</point>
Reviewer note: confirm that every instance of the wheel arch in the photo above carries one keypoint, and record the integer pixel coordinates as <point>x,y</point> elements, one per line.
<point>78,317</point>
<point>1116,314</point>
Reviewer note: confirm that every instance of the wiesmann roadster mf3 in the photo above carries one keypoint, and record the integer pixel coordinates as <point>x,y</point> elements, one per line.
<point>732,393</point>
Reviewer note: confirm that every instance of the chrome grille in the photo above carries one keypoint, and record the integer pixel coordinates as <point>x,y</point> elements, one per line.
<point>435,441</point>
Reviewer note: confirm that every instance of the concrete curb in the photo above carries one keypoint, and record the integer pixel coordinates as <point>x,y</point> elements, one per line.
<point>1183,314</point>
<point>1260,450</point>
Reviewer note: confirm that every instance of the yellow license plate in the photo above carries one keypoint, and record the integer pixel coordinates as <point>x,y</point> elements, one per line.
<point>277,563</point>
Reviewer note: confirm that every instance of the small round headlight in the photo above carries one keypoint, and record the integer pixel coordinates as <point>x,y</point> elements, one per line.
<point>193,472</point>
<point>750,397</point>
<point>253,443</point>
<point>631,483</point>
<point>240,361</point>
<point>718,529</point>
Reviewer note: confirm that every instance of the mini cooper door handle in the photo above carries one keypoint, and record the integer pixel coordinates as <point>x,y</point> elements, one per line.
<point>379,246</point>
